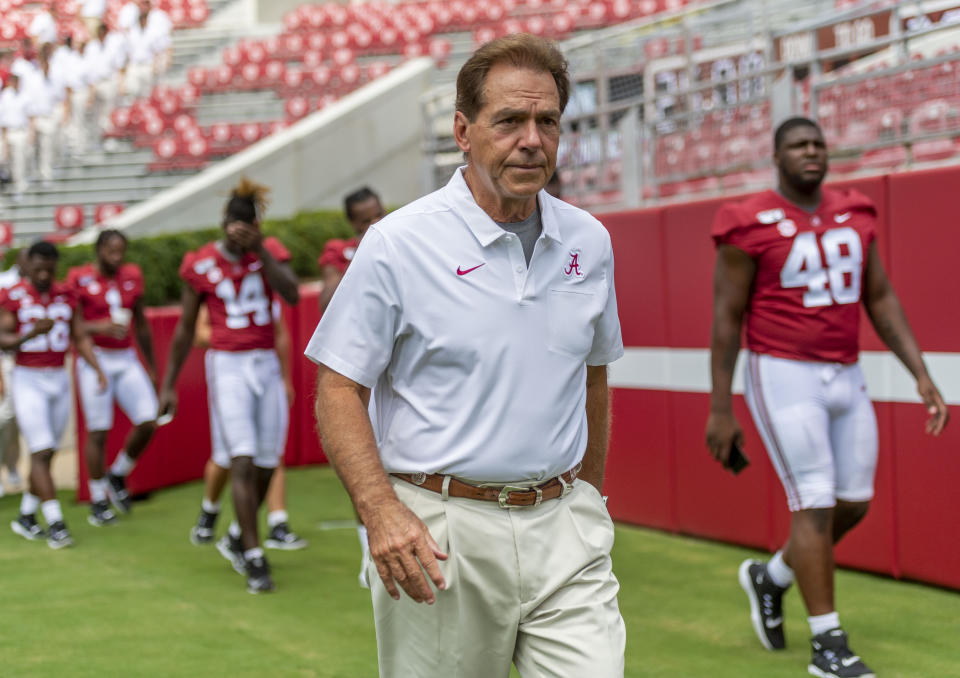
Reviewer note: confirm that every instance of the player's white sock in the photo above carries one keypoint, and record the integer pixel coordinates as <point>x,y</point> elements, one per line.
<point>250,554</point>
<point>122,465</point>
<point>234,530</point>
<point>29,503</point>
<point>275,518</point>
<point>210,506</point>
<point>98,489</point>
<point>780,573</point>
<point>52,512</point>
<point>824,622</point>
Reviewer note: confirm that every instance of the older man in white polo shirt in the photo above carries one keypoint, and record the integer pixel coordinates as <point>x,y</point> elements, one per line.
<point>482,317</point>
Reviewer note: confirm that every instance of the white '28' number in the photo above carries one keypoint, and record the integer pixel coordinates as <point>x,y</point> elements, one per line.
<point>57,339</point>
<point>251,302</point>
<point>804,267</point>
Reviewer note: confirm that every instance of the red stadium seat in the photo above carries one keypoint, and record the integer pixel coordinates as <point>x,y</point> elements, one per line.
<point>6,234</point>
<point>105,211</point>
<point>165,148</point>
<point>68,217</point>
<point>296,108</point>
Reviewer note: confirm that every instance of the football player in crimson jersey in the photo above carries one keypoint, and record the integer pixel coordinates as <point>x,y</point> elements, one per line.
<point>110,297</point>
<point>235,277</point>
<point>797,262</point>
<point>217,471</point>
<point>37,320</point>
<point>363,209</point>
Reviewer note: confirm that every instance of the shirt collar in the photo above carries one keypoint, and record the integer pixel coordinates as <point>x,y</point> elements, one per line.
<point>485,229</point>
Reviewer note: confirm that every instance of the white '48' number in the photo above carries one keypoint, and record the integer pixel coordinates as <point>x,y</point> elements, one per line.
<point>251,302</point>
<point>804,267</point>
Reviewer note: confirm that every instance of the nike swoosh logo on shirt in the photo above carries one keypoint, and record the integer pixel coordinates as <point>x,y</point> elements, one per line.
<point>461,271</point>
<point>841,218</point>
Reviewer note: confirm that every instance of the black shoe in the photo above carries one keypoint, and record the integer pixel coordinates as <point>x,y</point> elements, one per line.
<point>281,537</point>
<point>258,576</point>
<point>833,659</point>
<point>117,491</point>
<point>100,514</point>
<point>202,532</point>
<point>59,536</point>
<point>28,527</point>
<point>766,609</point>
<point>231,549</point>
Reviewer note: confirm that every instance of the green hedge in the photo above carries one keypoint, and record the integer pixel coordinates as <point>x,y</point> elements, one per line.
<point>159,256</point>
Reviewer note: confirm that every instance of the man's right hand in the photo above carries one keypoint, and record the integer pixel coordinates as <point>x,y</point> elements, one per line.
<point>723,430</point>
<point>167,402</point>
<point>42,326</point>
<point>402,548</point>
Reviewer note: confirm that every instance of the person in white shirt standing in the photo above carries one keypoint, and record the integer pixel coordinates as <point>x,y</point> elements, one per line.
<point>141,54</point>
<point>43,28</point>
<point>70,69</point>
<point>15,126</point>
<point>128,16</point>
<point>91,13</point>
<point>160,29</point>
<point>482,318</point>
<point>48,107</point>
<point>106,58</point>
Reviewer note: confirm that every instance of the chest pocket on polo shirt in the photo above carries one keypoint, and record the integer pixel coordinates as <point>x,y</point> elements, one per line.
<point>571,317</point>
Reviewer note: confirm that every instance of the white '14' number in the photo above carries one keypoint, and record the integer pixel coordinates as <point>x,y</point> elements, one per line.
<point>804,267</point>
<point>250,302</point>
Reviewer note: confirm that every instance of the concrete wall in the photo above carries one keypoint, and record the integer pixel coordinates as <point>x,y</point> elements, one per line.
<point>373,137</point>
<point>270,11</point>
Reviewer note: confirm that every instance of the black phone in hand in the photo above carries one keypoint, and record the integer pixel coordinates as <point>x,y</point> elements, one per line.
<point>737,461</point>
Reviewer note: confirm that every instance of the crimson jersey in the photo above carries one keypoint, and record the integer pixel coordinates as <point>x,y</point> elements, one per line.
<point>338,253</point>
<point>236,294</point>
<point>97,295</point>
<point>804,303</point>
<point>28,306</point>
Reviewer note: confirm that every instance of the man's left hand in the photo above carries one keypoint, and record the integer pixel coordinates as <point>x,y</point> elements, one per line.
<point>246,236</point>
<point>936,408</point>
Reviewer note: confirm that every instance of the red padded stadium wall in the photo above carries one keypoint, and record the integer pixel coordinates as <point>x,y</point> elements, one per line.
<point>659,473</point>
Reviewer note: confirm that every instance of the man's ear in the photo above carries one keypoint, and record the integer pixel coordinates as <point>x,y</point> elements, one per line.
<point>460,124</point>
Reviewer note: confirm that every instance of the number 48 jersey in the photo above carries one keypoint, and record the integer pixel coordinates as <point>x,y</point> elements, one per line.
<point>236,294</point>
<point>804,304</point>
<point>28,306</point>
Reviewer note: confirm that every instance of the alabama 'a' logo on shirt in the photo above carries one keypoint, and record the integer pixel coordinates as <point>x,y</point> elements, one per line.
<point>574,266</point>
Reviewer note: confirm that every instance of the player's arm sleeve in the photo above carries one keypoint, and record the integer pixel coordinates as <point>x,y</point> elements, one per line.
<point>729,229</point>
<point>607,340</point>
<point>190,274</point>
<point>356,335</point>
<point>277,249</point>
<point>332,255</point>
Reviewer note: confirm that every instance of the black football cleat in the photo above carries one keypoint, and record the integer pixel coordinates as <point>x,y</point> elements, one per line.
<point>117,491</point>
<point>766,604</point>
<point>202,532</point>
<point>832,657</point>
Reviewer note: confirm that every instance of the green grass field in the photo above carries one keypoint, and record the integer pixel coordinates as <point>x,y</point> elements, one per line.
<point>140,600</point>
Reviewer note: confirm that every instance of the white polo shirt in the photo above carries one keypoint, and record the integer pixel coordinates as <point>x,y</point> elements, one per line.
<point>13,109</point>
<point>43,28</point>
<point>477,362</point>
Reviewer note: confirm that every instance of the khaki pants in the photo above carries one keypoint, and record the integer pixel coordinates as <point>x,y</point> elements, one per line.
<point>18,148</point>
<point>47,132</point>
<point>105,98</point>
<point>531,585</point>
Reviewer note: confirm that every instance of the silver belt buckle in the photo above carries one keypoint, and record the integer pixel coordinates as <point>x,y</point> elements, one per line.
<point>418,478</point>
<point>505,491</point>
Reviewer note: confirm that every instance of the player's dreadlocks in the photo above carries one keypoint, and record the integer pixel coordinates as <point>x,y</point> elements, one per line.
<point>247,202</point>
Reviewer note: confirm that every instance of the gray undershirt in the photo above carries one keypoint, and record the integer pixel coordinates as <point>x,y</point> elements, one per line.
<point>527,231</point>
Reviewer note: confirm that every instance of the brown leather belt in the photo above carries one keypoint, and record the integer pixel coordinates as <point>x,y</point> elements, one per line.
<point>505,495</point>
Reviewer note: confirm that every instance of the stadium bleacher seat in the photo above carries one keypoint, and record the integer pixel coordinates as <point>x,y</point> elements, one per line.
<point>106,211</point>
